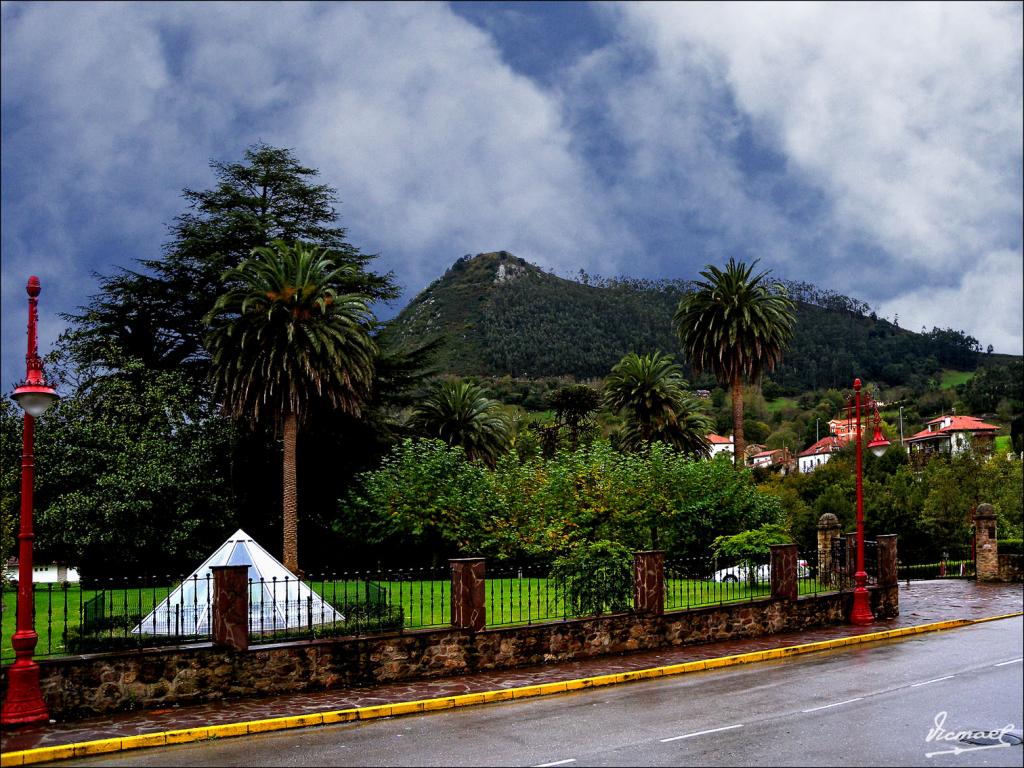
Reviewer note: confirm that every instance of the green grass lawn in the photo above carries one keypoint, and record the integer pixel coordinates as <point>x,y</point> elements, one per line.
<point>1002,445</point>
<point>58,608</point>
<point>424,603</point>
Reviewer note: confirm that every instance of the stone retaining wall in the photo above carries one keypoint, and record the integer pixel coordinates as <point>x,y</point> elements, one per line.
<point>81,686</point>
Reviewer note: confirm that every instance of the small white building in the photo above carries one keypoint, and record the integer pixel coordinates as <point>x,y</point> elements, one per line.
<point>721,444</point>
<point>43,573</point>
<point>818,454</point>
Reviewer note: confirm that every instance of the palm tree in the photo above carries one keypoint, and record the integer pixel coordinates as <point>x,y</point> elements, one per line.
<point>651,393</point>
<point>283,337</point>
<point>736,326</point>
<point>460,413</point>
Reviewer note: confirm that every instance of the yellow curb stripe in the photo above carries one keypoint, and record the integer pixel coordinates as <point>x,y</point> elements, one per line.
<point>226,731</point>
<point>185,735</point>
<point>344,716</point>
<point>182,736</point>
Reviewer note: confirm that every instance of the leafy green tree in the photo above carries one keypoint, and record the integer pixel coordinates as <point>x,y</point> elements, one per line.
<point>736,326</point>
<point>283,337</point>
<point>650,392</point>
<point>575,406</point>
<point>460,413</point>
<point>994,384</point>
<point>751,548</point>
<point>156,313</point>
<point>1001,482</point>
<point>429,495</point>
<point>133,476</point>
<point>595,578</point>
<point>426,497</point>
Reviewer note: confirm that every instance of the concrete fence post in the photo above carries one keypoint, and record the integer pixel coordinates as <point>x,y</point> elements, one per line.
<point>468,596</point>
<point>230,606</point>
<point>783,572</point>
<point>887,560</point>
<point>986,549</point>
<point>649,582</point>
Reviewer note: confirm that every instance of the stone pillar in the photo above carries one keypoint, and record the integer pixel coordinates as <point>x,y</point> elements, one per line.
<point>828,532</point>
<point>986,554</point>
<point>783,571</point>
<point>887,573</point>
<point>468,610</point>
<point>230,606</point>
<point>649,582</point>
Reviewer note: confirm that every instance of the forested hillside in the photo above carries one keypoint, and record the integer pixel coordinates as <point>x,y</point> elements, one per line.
<point>499,315</point>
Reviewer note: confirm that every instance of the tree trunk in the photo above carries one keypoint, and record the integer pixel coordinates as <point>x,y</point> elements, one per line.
<point>291,547</point>
<point>739,443</point>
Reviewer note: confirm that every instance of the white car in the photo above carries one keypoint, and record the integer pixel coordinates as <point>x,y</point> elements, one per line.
<point>761,572</point>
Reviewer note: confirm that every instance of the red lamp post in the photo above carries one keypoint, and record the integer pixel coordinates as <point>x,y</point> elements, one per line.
<point>24,701</point>
<point>861,613</point>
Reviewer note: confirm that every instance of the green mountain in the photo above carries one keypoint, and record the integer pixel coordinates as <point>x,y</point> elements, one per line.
<point>500,315</point>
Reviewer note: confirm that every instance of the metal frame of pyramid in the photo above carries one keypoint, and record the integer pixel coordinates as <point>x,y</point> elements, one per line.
<point>277,598</point>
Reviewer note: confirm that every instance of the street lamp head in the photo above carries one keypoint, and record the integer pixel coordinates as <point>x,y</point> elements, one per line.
<point>35,399</point>
<point>878,444</point>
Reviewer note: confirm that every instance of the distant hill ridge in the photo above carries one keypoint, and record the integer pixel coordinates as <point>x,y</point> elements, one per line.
<point>500,315</point>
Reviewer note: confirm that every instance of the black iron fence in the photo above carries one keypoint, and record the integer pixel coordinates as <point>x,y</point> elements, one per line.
<point>73,618</point>
<point>952,562</point>
<point>694,582</point>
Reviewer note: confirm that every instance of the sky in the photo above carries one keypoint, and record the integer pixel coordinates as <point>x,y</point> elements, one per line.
<point>873,149</point>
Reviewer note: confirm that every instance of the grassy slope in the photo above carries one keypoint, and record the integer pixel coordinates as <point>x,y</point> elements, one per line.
<point>952,379</point>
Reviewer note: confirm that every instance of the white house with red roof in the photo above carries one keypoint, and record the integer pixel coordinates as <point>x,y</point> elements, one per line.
<point>721,444</point>
<point>819,453</point>
<point>952,435</point>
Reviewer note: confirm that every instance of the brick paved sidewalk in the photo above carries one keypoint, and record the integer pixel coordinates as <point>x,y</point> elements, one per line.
<point>921,602</point>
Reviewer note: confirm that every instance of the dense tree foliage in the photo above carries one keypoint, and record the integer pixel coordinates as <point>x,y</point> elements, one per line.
<point>650,392</point>
<point>156,312</point>
<point>133,476</point>
<point>531,324</point>
<point>997,389</point>
<point>283,339</point>
<point>929,509</point>
<point>428,495</point>
<point>737,326</point>
<point>460,413</point>
<point>151,319</point>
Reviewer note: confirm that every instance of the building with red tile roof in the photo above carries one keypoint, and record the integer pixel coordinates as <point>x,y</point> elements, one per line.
<point>818,454</point>
<point>721,444</point>
<point>777,459</point>
<point>952,435</point>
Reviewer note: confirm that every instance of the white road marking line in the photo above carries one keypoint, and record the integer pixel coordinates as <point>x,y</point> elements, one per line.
<point>936,680</point>
<point>701,733</point>
<point>557,762</point>
<point>829,706</point>
<point>1011,661</point>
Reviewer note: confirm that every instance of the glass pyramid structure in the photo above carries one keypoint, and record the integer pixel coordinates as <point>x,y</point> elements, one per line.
<point>277,599</point>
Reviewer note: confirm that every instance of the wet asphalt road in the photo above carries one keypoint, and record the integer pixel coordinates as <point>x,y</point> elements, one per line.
<point>866,705</point>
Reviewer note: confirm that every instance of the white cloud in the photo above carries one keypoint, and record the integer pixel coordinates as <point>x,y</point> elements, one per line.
<point>908,116</point>
<point>985,299</point>
<point>897,130</point>
<point>436,147</point>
